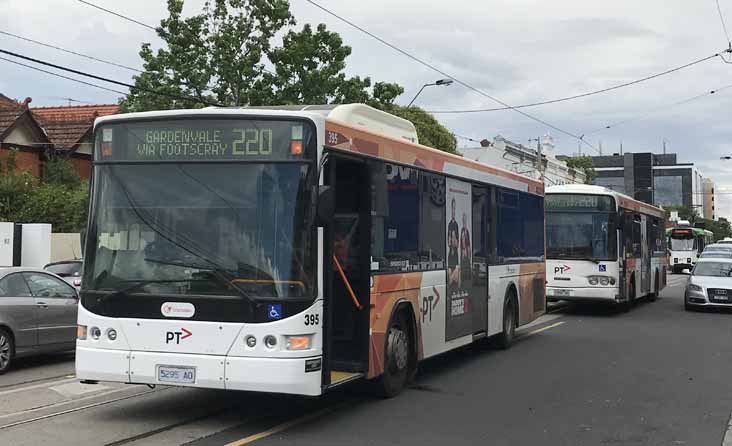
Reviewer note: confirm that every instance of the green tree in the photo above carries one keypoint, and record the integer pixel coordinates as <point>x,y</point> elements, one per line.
<point>685,213</point>
<point>583,164</point>
<point>60,171</point>
<point>219,56</point>
<point>721,228</point>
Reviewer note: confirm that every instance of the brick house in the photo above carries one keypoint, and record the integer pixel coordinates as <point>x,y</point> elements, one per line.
<point>69,129</point>
<point>34,133</point>
<point>21,132</point>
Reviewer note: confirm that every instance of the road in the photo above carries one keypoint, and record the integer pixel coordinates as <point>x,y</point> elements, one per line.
<point>580,376</point>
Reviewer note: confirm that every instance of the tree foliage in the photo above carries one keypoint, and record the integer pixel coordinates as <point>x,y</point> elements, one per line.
<point>59,198</point>
<point>583,164</point>
<point>685,213</point>
<point>721,228</point>
<point>222,55</point>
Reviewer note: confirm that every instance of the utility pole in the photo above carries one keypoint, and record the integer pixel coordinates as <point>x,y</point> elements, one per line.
<point>621,148</point>
<point>664,146</point>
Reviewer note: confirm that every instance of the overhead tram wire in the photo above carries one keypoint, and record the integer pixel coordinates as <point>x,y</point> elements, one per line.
<point>111,81</point>
<point>62,76</point>
<point>443,73</point>
<point>658,109</point>
<point>582,95</point>
<point>724,25</point>
<point>122,16</point>
<point>48,45</point>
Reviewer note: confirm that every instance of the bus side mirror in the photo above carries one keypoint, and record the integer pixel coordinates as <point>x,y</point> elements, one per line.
<point>326,205</point>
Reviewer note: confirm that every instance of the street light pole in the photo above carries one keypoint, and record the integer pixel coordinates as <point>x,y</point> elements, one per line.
<point>438,83</point>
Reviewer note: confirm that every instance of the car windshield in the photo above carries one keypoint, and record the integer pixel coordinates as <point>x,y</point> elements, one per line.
<point>713,269</point>
<point>183,227</point>
<point>65,269</point>
<point>578,235</point>
<point>716,254</point>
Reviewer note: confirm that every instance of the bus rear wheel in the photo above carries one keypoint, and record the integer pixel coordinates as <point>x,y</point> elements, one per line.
<point>397,357</point>
<point>505,339</point>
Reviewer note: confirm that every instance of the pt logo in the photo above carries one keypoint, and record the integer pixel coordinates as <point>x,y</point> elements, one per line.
<point>177,336</point>
<point>429,303</point>
<point>562,269</point>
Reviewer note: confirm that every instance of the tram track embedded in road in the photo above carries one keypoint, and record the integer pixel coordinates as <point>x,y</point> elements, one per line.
<point>77,409</point>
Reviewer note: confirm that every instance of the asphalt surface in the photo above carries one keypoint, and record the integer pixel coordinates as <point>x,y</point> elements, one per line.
<point>581,376</point>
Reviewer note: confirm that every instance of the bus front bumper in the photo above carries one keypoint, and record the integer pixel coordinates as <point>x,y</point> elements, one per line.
<point>276,375</point>
<point>584,294</point>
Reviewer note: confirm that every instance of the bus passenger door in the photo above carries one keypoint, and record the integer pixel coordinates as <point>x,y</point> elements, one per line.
<point>481,237</point>
<point>645,256</point>
<point>347,283</point>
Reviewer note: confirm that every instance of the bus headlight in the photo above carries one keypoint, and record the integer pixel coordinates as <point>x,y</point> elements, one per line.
<point>95,333</point>
<point>593,280</point>
<point>298,342</point>
<point>251,341</point>
<point>270,341</point>
<point>112,334</point>
<point>604,281</point>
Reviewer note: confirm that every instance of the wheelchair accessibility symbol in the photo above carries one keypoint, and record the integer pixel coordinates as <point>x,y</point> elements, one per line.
<point>274,312</point>
<point>603,268</point>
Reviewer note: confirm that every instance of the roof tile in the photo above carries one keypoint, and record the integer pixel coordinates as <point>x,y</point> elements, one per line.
<point>65,126</point>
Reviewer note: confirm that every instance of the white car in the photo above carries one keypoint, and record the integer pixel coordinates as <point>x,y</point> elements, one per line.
<point>710,284</point>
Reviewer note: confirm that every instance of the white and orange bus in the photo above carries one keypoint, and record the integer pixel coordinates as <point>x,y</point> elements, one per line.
<point>293,250</point>
<point>603,246</point>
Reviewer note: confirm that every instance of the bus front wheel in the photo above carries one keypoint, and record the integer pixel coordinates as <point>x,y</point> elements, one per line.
<point>398,349</point>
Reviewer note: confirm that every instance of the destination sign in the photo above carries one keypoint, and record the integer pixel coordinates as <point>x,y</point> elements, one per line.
<point>578,202</point>
<point>205,140</point>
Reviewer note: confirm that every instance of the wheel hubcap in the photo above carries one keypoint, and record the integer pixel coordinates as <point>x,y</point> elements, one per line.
<point>4,352</point>
<point>399,349</point>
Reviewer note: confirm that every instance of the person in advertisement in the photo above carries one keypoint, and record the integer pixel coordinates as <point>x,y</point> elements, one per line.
<point>458,320</point>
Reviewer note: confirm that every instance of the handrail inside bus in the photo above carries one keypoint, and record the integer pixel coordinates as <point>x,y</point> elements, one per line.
<point>348,284</point>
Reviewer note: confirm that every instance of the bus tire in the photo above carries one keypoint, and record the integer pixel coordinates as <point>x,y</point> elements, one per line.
<point>654,294</point>
<point>510,311</point>
<point>7,350</point>
<point>398,353</point>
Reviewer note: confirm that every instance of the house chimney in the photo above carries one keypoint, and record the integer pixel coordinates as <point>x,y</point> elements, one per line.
<point>27,101</point>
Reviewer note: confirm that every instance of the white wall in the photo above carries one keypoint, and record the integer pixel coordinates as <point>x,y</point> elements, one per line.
<point>65,246</point>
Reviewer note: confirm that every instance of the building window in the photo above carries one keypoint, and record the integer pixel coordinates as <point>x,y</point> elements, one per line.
<point>668,191</point>
<point>615,183</point>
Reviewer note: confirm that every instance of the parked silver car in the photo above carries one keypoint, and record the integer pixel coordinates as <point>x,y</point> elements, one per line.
<point>69,270</point>
<point>710,284</point>
<point>37,314</point>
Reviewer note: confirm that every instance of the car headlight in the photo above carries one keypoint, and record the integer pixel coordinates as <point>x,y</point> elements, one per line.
<point>693,287</point>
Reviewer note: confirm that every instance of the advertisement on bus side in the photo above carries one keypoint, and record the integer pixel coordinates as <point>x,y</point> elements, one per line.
<point>458,320</point>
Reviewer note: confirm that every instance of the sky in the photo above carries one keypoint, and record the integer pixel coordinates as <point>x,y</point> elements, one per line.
<point>519,51</point>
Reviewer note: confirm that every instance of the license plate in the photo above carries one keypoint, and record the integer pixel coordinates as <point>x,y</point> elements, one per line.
<point>562,292</point>
<point>175,374</point>
<point>724,298</point>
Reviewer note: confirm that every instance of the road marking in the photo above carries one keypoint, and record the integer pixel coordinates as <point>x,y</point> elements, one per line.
<point>36,386</point>
<point>284,426</point>
<point>539,330</point>
<point>727,440</point>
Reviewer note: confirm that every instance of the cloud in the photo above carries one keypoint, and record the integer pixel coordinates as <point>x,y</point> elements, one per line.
<point>519,51</point>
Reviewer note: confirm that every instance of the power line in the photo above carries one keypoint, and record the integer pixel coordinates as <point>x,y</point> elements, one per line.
<point>118,15</point>
<point>48,45</point>
<point>443,73</point>
<point>724,25</point>
<point>659,109</point>
<point>466,138</point>
<point>582,95</point>
<point>62,76</point>
<point>111,81</point>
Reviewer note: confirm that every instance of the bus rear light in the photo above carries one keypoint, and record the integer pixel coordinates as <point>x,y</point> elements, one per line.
<point>81,332</point>
<point>298,342</point>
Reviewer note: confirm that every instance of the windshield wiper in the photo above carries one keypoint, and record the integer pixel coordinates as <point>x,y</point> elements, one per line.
<point>218,272</point>
<point>139,284</point>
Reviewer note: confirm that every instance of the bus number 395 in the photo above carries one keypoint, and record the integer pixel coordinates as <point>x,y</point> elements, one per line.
<point>312,319</point>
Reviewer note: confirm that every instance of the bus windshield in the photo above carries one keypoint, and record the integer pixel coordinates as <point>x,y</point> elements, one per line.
<point>685,242</point>
<point>580,235</point>
<point>183,226</point>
